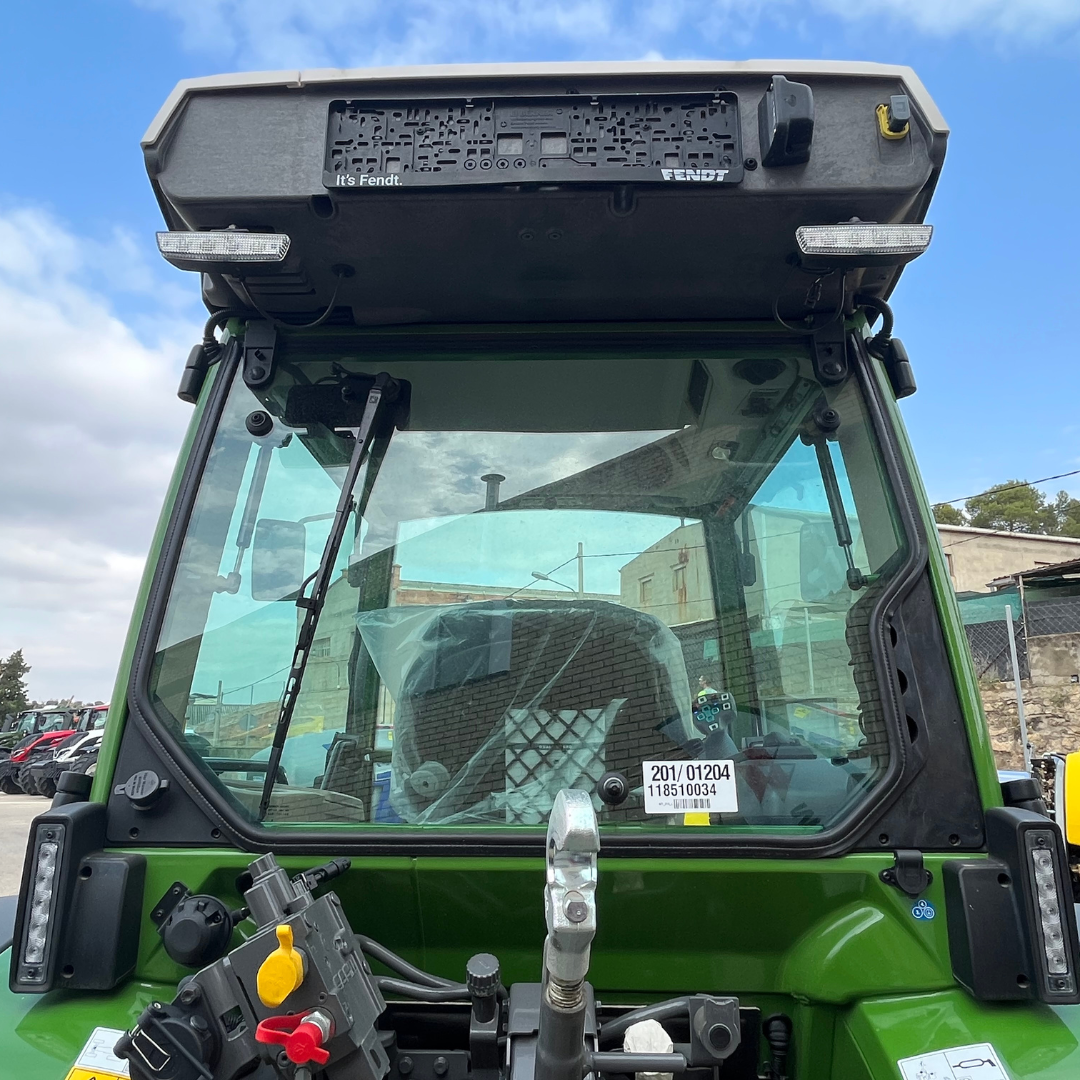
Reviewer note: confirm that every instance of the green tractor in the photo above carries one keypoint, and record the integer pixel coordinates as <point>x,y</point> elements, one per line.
<point>32,722</point>
<point>546,666</point>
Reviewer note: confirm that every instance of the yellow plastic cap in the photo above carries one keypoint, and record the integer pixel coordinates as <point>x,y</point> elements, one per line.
<point>282,971</point>
<point>1072,799</point>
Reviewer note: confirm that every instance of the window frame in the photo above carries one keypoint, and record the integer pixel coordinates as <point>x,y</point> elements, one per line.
<point>492,840</point>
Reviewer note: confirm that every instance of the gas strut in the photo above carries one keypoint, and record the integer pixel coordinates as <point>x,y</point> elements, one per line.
<point>573,840</point>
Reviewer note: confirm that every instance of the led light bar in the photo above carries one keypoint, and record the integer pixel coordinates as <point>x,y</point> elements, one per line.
<point>223,246</point>
<point>48,851</point>
<point>41,903</point>
<point>1040,846</point>
<point>855,239</point>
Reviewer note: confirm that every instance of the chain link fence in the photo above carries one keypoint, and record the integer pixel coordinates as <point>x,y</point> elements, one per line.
<point>985,623</point>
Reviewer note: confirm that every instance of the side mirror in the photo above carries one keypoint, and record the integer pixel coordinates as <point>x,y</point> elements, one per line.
<point>822,570</point>
<point>277,559</point>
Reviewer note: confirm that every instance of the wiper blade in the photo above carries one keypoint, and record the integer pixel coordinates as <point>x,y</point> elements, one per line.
<point>384,392</point>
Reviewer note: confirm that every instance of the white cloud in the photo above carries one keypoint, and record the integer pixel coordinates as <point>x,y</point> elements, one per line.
<point>318,33</point>
<point>90,427</point>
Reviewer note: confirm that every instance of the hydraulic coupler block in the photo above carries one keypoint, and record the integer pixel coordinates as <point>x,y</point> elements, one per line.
<point>573,841</point>
<point>295,996</point>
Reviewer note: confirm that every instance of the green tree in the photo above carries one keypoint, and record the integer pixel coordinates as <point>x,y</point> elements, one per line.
<point>947,514</point>
<point>1015,506</point>
<point>1067,512</point>
<point>13,672</point>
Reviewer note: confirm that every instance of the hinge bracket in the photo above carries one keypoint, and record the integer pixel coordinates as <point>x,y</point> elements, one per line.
<point>259,341</point>
<point>829,349</point>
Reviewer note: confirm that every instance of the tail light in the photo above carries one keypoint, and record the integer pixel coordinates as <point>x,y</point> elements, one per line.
<point>1011,919</point>
<point>70,884</point>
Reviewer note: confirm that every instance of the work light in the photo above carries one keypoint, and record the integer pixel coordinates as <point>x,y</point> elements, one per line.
<point>48,843</point>
<point>183,249</point>
<point>862,243</point>
<point>1047,893</point>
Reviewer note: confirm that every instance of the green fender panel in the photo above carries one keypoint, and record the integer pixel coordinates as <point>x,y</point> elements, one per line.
<point>855,950</point>
<point>1034,1042</point>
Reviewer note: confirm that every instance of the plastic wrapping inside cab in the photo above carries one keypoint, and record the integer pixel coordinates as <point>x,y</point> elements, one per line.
<point>500,704</point>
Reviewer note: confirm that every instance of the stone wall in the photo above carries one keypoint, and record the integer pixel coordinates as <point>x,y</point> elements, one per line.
<point>1052,710</point>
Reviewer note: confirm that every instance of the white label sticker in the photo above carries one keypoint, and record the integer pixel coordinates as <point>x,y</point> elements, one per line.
<point>687,787</point>
<point>98,1053</point>
<point>979,1061</point>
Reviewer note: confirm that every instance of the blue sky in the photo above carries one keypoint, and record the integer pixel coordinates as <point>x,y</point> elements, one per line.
<point>94,328</point>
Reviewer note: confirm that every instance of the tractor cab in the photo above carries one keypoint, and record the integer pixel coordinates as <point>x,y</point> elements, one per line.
<point>546,665</point>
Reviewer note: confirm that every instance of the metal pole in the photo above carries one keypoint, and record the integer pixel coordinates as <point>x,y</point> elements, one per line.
<point>1019,689</point>
<point>217,716</point>
<point>581,570</point>
<point>809,649</point>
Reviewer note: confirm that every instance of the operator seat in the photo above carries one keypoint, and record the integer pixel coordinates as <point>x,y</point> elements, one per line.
<point>508,701</point>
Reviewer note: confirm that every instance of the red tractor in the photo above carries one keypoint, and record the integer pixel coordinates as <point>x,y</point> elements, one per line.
<point>24,753</point>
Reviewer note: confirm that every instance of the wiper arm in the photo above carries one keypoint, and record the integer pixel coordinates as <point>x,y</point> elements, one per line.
<point>383,393</point>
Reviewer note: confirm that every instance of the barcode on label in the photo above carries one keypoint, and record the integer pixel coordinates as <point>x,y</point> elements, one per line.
<point>690,804</point>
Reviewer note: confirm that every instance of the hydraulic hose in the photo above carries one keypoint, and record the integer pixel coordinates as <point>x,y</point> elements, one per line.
<point>210,342</point>
<point>400,965</point>
<point>877,344</point>
<point>459,992</point>
<point>662,1010</point>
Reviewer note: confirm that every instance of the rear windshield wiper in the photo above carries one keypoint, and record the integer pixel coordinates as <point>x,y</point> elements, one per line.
<point>383,394</point>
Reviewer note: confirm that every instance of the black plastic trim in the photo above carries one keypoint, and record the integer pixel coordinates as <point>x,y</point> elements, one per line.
<point>8,907</point>
<point>245,835</point>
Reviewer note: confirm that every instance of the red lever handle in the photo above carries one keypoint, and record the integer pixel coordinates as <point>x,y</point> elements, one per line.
<point>302,1036</point>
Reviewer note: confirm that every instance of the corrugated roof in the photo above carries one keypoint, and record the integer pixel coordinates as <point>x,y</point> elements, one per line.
<point>1053,570</point>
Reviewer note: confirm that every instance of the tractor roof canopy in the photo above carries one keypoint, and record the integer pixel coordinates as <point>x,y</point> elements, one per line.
<point>532,193</point>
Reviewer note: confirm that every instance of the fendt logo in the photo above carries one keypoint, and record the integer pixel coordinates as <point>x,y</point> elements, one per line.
<point>694,174</point>
<point>367,180</point>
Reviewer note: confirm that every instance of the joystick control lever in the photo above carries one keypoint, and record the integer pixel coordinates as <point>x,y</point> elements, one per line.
<point>573,841</point>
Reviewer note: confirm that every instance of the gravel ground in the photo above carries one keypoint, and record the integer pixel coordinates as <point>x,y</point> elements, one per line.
<point>16,813</point>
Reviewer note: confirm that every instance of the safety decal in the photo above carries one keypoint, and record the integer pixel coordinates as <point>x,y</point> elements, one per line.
<point>678,787</point>
<point>96,1060</point>
<point>979,1061</point>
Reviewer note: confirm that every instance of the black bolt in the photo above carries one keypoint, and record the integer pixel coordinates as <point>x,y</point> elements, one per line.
<point>198,1023</point>
<point>189,995</point>
<point>719,1037</point>
<point>832,367</point>
<point>440,1066</point>
<point>255,373</point>
<point>405,1065</point>
<point>750,163</point>
<point>828,419</point>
